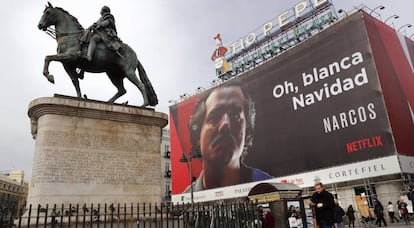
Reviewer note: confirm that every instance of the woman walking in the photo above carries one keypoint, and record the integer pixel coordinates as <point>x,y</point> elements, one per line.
<point>351,215</point>
<point>402,206</point>
<point>391,212</point>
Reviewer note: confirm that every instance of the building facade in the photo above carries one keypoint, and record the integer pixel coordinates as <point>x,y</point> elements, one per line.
<point>13,192</point>
<point>165,166</point>
<point>333,106</point>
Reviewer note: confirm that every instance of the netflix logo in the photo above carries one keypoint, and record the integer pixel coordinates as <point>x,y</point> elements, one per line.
<point>363,144</point>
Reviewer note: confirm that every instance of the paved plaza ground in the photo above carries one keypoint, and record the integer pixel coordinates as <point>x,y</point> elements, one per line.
<point>390,225</point>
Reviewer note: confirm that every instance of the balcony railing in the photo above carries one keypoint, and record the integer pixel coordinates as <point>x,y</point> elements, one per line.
<point>167,173</point>
<point>167,154</point>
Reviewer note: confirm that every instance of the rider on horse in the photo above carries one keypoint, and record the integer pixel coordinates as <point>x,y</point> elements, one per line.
<point>104,30</point>
<point>107,59</point>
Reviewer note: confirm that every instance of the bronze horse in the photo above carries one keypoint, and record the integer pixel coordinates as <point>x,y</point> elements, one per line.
<point>117,66</point>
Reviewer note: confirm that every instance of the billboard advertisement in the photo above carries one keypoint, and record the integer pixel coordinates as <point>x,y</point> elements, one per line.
<point>394,57</point>
<point>317,106</point>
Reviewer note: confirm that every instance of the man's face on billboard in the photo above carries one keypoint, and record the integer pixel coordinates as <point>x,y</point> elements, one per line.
<point>224,126</point>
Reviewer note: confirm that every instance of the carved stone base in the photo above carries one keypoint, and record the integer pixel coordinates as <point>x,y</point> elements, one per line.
<point>94,152</point>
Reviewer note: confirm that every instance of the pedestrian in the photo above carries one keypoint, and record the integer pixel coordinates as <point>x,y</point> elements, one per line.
<point>391,212</point>
<point>404,211</point>
<point>339,213</point>
<point>410,194</point>
<point>324,205</point>
<point>399,211</point>
<point>269,221</point>
<point>350,212</point>
<point>260,216</point>
<point>379,212</point>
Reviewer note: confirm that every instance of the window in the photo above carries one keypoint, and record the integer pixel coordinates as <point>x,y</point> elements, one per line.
<point>167,170</point>
<point>167,190</point>
<point>167,151</point>
<point>167,186</point>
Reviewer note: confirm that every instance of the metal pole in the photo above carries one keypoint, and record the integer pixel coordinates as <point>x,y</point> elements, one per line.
<point>191,179</point>
<point>406,25</point>
<point>393,16</point>
<point>378,7</point>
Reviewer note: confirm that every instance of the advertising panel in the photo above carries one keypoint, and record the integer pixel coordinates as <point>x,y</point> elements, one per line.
<point>394,54</point>
<point>407,163</point>
<point>348,172</point>
<point>316,106</point>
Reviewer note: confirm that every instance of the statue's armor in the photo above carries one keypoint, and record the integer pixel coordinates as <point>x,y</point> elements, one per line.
<point>107,31</point>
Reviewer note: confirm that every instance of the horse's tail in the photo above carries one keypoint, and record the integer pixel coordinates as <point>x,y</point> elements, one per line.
<point>152,96</point>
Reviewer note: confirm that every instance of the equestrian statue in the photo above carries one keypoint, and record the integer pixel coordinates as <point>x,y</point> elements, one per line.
<point>97,49</point>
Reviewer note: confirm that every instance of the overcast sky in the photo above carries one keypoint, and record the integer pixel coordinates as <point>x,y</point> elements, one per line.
<point>173,40</point>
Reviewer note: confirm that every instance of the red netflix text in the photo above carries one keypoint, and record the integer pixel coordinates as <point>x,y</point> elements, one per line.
<point>363,144</point>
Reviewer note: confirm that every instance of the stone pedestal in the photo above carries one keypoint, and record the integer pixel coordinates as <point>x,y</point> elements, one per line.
<point>94,152</point>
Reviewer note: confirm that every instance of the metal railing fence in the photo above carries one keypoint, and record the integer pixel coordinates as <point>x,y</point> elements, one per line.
<point>146,215</point>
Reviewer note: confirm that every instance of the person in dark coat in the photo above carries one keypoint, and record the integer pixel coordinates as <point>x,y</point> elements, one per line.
<point>379,212</point>
<point>269,220</point>
<point>324,204</point>
<point>350,212</point>
<point>410,194</point>
<point>339,213</point>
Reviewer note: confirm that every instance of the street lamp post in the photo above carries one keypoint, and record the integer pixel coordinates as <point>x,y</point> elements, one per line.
<point>406,25</point>
<point>189,159</point>
<point>393,16</point>
<point>378,7</point>
<point>343,11</point>
<point>200,89</point>
<point>173,102</point>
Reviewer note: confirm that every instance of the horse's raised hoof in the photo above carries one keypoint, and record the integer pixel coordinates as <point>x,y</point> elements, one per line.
<point>50,78</point>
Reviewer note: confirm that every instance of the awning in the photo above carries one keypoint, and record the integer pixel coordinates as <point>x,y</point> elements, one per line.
<point>268,192</point>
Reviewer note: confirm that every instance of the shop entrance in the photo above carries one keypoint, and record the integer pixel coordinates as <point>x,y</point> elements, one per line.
<point>282,201</point>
